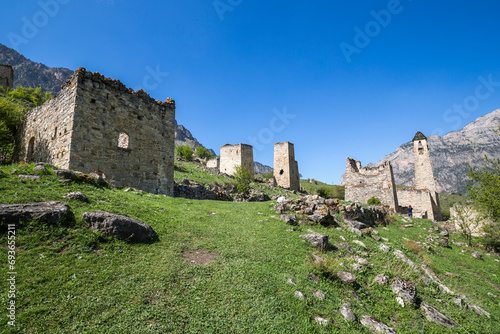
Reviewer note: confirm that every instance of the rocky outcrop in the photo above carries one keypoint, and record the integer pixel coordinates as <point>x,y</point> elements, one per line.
<point>122,227</point>
<point>50,212</point>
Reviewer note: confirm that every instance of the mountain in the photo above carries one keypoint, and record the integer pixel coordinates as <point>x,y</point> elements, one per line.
<point>184,137</point>
<point>27,73</point>
<point>451,154</point>
<point>261,169</point>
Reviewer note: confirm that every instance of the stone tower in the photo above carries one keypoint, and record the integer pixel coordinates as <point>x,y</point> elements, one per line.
<point>232,156</point>
<point>6,76</point>
<point>424,177</point>
<point>286,169</point>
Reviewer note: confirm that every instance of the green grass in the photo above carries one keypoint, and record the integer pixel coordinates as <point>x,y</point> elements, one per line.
<point>71,280</point>
<point>315,188</point>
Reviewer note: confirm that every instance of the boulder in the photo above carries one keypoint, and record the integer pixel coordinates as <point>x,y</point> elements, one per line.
<point>478,310</point>
<point>359,243</point>
<point>435,316</point>
<point>50,212</point>
<point>318,294</point>
<point>346,277</point>
<point>355,224</point>
<point>40,169</point>
<point>477,255</point>
<point>65,174</point>
<point>404,290</point>
<point>384,248</point>
<point>78,196</point>
<point>347,313</point>
<point>403,257</point>
<point>317,239</point>
<point>122,227</point>
<point>289,219</point>
<point>375,325</point>
<point>345,246</point>
<point>299,295</point>
<point>381,279</point>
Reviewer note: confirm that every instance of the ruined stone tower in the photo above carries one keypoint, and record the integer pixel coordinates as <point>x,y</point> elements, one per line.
<point>286,169</point>
<point>232,156</point>
<point>363,183</point>
<point>424,177</point>
<point>6,76</point>
<point>97,124</point>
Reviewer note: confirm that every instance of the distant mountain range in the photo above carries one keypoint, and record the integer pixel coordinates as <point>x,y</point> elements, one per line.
<point>451,154</point>
<point>27,73</point>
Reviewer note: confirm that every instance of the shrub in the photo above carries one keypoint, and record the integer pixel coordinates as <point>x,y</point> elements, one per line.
<point>374,201</point>
<point>33,95</point>
<point>11,116</point>
<point>185,152</point>
<point>243,178</point>
<point>269,175</point>
<point>413,246</point>
<point>202,153</point>
<point>331,192</point>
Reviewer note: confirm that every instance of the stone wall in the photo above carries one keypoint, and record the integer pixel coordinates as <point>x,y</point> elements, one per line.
<point>125,135</point>
<point>232,156</point>
<point>214,163</point>
<point>6,76</point>
<point>286,169</point>
<point>420,200</point>
<point>362,183</point>
<point>46,133</point>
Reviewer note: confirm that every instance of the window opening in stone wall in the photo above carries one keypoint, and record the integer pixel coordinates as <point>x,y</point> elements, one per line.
<point>123,140</point>
<point>31,149</point>
<point>281,172</point>
<point>420,148</point>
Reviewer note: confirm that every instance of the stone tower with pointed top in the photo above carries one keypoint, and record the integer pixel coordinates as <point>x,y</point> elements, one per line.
<point>286,169</point>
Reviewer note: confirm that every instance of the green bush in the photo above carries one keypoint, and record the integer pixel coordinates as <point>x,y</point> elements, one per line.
<point>243,178</point>
<point>202,153</point>
<point>331,192</point>
<point>374,201</point>
<point>269,175</point>
<point>11,116</point>
<point>185,152</point>
<point>33,95</point>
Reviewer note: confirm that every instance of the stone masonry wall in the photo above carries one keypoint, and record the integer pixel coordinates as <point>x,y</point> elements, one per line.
<point>286,170</point>
<point>362,183</point>
<point>420,200</point>
<point>232,156</point>
<point>45,135</point>
<point>6,76</point>
<point>214,163</point>
<point>126,135</point>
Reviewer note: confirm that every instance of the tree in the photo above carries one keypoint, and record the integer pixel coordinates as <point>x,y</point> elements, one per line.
<point>202,153</point>
<point>484,190</point>
<point>185,152</point>
<point>11,116</point>
<point>243,178</point>
<point>468,221</point>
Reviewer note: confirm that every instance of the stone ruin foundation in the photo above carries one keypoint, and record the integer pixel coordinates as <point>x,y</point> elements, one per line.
<point>97,124</point>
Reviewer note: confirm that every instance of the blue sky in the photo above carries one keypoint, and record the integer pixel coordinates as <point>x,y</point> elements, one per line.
<point>337,79</point>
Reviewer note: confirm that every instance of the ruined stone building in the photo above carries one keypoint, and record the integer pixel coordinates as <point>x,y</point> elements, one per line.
<point>97,124</point>
<point>6,76</point>
<point>232,156</point>
<point>286,169</point>
<point>362,183</point>
<point>214,163</point>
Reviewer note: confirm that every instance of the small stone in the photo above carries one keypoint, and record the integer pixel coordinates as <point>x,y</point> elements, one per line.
<point>65,173</point>
<point>477,255</point>
<point>405,290</point>
<point>400,301</point>
<point>291,281</point>
<point>314,278</point>
<point>346,277</point>
<point>492,295</point>
<point>78,196</point>
<point>381,279</point>
<point>299,295</point>
<point>341,237</point>
<point>355,230</point>
<point>289,219</point>
<point>375,325</point>
<point>318,294</point>
<point>429,238</point>
<point>377,238</point>
<point>318,259</point>
<point>360,243</point>
<point>478,310</point>
<point>40,168</point>
<point>357,267</point>
<point>321,321</point>
<point>30,177</point>
<point>443,241</point>
<point>281,199</point>
<point>384,248</point>
<point>360,260</point>
<point>345,246</point>
<point>445,233</point>
<point>451,274</point>
<point>317,239</point>
<point>347,313</point>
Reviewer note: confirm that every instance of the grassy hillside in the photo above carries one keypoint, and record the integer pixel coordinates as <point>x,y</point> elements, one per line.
<point>220,267</point>
<point>323,189</point>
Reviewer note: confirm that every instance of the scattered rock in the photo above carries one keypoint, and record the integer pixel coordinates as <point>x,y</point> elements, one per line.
<point>30,177</point>
<point>357,267</point>
<point>281,199</point>
<point>318,294</point>
<point>451,274</point>
<point>360,260</point>
<point>405,290</point>
<point>299,295</point>
<point>445,233</point>
<point>360,243</point>
<point>403,257</point>
<point>477,255</point>
<point>40,169</point>
<point>98,178</point>
<point>318,259</point>
<point>478,310</point>
<point>50,212</point>
<point>120,226</point>
<point>78,196</point>
<point>384,248</point>
<point>435,316</point>
<point>346,277</point>
<point>291,220</point>
<point>400,301</point>
<point>381,279</point>
<point>355,231</point>
<point>375,325</point>
<point>321,321</point>
<point>314,278</point>
<point>347,313</point>
<point>492,295</point>
<point>355,224</point>
<point>345,246</point>
<point>341,237</point>
<point>457,301</point>
<point>65,174</point>
<point>291,281</point>
<point>429,238</point>
<point>442,241</point>
<point>376,237</point>
<point>433,276</point>
<point>317,239</point>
